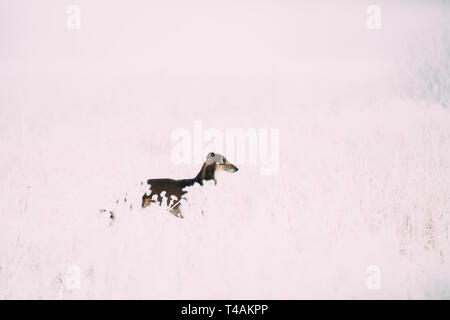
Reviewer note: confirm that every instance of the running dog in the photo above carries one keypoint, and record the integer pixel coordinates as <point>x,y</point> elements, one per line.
<point>174,191</point>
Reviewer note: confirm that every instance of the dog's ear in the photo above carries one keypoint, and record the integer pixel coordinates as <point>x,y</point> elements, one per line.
<point>210,158</point>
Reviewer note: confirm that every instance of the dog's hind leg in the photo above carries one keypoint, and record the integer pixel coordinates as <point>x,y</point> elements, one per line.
<point>147,200</point>
<point>176,212</point>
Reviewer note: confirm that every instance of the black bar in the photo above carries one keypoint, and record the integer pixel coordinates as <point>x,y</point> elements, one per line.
<point>224,309</point>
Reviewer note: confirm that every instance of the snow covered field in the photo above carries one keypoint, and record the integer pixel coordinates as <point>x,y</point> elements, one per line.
<point>360,205</point>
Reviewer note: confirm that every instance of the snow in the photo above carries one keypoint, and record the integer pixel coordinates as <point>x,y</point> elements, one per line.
<point>364,151</point>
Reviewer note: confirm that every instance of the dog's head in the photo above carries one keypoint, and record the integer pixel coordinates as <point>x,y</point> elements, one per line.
<point>220,162</point>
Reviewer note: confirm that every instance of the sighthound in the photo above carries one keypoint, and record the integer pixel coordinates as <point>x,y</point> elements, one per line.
<point>173,190</point>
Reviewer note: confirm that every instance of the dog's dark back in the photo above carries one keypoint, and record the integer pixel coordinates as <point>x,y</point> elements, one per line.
<point>170,186</point>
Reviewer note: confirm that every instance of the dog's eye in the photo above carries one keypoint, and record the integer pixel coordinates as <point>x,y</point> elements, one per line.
<point>212,155</point>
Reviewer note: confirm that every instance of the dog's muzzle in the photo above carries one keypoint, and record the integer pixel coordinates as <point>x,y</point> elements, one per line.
<point>230,168</point>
